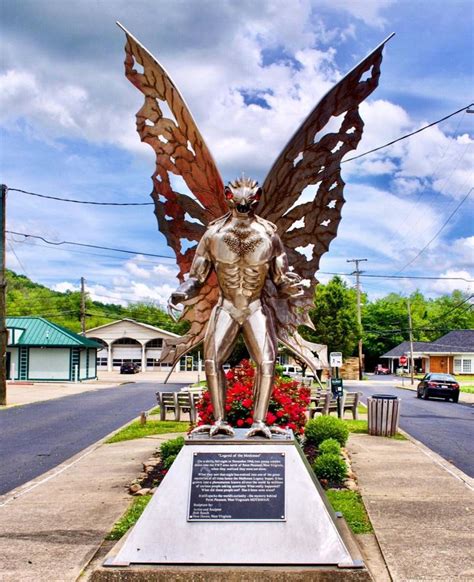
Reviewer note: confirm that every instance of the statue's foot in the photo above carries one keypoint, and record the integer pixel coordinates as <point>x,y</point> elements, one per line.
<point>202,428</point>
<point>259,428</point>
<point>221,427</point>
<point>278,430</point>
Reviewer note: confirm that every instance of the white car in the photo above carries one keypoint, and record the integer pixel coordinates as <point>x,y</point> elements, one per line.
<point>292,371</point>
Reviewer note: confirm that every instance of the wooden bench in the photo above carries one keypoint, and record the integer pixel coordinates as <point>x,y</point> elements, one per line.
<point>167,402</point>
<point>319,402</point>
<point>350,401</point>
<point>186,404</point>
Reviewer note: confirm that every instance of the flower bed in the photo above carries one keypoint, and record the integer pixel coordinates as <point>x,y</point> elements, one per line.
<point>287,407</point>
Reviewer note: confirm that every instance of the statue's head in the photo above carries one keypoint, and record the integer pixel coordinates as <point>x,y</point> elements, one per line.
<point>242,196</point>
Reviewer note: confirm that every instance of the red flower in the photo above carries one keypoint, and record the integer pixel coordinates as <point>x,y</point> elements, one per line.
<point>270,418</point>
<point>287,405</point>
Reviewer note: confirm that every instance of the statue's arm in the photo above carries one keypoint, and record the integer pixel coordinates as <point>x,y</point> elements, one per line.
<point>286,281</point>
<point>199,272</point>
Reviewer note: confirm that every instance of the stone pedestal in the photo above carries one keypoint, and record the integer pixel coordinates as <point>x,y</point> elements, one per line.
<point>190,533</point>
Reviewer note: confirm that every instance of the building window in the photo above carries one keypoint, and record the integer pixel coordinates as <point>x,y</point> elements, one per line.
<point>457,365</point>
<point>126,341</point>
<point>156,343</point>
<point>466,366</point>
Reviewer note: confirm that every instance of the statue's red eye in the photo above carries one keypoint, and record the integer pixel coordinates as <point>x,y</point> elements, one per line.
<point>228,195</point>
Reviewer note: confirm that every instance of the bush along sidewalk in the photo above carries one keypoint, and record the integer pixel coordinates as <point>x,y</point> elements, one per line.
<point>325,438</point>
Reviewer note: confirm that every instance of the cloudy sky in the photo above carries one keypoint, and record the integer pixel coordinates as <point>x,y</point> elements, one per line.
<point>250,70</point>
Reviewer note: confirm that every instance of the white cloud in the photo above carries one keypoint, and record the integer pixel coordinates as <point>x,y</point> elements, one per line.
<point>369,11</point>
<point>65,286</point>
<point>444,287</point>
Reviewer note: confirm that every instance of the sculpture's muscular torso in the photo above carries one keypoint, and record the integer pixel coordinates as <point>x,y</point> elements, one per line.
<point>244,250</point>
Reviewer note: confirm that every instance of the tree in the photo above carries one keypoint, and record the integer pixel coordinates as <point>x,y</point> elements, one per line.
<point>335,317</point>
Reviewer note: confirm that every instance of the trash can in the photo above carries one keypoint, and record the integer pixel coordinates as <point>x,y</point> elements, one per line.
<point>383,412</point>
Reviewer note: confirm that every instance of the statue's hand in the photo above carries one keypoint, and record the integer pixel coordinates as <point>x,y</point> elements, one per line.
<point>292,285</point>
<point>177,297</point>
<point>173,310</point>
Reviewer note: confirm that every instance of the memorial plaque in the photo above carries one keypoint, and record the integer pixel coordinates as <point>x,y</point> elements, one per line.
<point>237,487</point>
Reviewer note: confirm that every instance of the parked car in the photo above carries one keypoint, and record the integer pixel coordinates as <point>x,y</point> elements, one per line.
<point>441,385</point>
<point>129,368</point>
<point>380,369</point>
<point>291,371</point>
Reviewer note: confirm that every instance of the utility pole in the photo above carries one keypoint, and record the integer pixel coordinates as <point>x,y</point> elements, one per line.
<point>3,300</point>
<point>410,331</point>
<point>83,306</point>
<point>357,273</point>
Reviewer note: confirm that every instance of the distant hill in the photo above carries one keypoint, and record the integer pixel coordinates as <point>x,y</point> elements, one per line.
<point>25,297</point>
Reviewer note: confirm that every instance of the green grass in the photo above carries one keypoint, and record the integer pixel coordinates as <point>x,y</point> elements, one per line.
<point>469,389</point>
<point>362,427</point>
<point>350,504</point>
<point>129,518</point>
<point>357,426</point>
<point>135,430</point>
<point>464,377</point>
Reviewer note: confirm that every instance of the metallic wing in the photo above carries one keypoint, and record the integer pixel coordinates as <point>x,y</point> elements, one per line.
<point>303,192</point>
<point>166,124</point>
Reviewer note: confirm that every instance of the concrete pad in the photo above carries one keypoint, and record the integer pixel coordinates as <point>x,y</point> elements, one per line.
<point>422,512</point>
<point>51,527</point>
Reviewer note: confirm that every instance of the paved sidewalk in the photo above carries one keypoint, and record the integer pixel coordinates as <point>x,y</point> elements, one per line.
<point>51,527</point>
<point>421,508</point>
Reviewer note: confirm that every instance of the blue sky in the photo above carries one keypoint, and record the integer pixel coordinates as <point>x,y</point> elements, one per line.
<point>250,72</point>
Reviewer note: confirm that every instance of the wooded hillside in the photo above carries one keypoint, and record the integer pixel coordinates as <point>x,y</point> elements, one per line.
<point>24,297</point>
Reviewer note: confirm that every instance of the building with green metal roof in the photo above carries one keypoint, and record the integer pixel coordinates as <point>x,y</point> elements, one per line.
<point>39,350</point>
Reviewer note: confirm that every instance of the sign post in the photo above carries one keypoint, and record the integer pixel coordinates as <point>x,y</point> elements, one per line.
<point>337,388</point>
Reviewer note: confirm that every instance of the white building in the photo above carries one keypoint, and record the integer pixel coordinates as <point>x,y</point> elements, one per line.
<point>128,340</point>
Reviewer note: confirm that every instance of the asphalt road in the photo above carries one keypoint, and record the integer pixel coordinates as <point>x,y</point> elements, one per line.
<point>37,437</point>
<point>444,427</point>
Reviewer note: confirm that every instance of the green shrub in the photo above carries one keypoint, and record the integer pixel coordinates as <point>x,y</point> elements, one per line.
<point>169,461</point>
<point>171,448</point>
<point>330,467</point>
<point>330,447</point>
<point>319,429</point>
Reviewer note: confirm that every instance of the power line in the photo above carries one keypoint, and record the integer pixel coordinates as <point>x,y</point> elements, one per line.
<point>75,251</point>
<point>90,202</point>
<point>75,201</point>
<point>407,135</point>
<point>428,278</point>
<point>65,242</point>
<point>437,233</point>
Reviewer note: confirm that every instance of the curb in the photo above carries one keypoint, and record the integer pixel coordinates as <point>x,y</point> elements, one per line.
<point>48,475</point>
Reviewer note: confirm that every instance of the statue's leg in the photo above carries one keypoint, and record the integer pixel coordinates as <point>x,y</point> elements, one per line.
<point>261,342</point>
<point>220,339</point>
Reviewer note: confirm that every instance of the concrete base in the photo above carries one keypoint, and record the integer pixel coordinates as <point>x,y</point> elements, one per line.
<point>229,574</point>
<point>311,541</point>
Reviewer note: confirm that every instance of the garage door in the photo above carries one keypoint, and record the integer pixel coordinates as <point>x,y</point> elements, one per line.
<point>121,354</point>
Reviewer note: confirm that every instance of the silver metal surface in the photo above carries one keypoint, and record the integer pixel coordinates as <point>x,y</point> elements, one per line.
<point>239,438</point>
<point>164,536</point>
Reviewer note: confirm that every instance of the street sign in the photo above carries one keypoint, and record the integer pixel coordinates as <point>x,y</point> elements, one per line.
<point>335,359</point>
<point>403,360</point>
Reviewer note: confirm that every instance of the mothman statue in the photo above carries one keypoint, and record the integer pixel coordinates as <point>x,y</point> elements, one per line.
<point>253,269</point>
